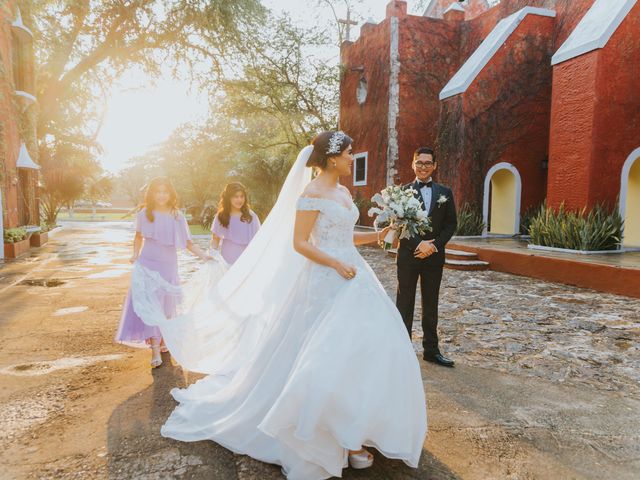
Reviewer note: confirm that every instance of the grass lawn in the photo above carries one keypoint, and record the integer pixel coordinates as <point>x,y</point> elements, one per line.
<point>118,217</point>
<point>99,217</point>
<point>198,230</point>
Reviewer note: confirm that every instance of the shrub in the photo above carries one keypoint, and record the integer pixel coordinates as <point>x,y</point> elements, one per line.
<point>600,229</point>
<point>470,221</point>
<point>527,216</point>
<point>15,235</point>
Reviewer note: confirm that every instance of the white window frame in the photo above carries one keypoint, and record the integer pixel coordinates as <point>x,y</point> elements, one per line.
<point>356,157</point>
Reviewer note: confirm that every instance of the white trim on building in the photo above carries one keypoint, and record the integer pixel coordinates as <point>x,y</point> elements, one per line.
<point>394,101</point>
<point>24,159</point>
<point>487,190</point>
<point>479,59</point>
<point>363,156</point>
<point>595,29</point>
<point>20,27</point>
<point>454,6</point>
<point>624,182</point>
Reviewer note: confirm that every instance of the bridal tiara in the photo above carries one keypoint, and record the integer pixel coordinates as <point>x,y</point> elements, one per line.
<point>335,143</point>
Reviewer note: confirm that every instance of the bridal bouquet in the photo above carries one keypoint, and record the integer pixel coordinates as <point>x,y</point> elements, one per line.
<point>402,210</point>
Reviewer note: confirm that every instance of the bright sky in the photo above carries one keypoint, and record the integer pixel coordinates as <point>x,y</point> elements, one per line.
<point>141,115</point>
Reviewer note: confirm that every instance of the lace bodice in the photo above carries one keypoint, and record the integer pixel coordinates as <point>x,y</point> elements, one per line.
<point>334,225</point>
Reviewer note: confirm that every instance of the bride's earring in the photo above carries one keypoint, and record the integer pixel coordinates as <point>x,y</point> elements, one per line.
<point>334,164</point>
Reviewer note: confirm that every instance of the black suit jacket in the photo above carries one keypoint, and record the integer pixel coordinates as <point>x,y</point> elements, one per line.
<point>444,221</point>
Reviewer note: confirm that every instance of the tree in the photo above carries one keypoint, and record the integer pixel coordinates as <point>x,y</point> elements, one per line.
<point>283,87</point>
<point>277,96</point>
<point>65,170</point>
<point>197,159</point>
<point>132,179</point>
<point>84,45</point>
<point>97,189</point>
<point>283,96</point>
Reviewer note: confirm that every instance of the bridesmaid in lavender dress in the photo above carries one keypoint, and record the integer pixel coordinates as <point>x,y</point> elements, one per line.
<point>235,224</point>
<point>160,231</point>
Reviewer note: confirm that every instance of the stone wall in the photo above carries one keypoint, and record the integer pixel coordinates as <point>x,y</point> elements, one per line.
<point>502,117</point>
<point>18,188</point>
<point>595,120</point>
<point>9,123</point>
<point>428,62</point>
<point>366,64</point>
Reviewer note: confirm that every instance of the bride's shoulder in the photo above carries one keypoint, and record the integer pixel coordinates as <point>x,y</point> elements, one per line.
<point>345,190</point>
<point>312,198</point>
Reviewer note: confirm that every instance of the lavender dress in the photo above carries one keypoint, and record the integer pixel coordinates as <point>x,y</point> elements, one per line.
<point>236,236</point>
<point>162,238</point>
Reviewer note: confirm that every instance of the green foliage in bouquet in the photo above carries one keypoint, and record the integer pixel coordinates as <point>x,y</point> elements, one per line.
<point>599,229</point>
<point>15,235</point>
<point>470,222</point>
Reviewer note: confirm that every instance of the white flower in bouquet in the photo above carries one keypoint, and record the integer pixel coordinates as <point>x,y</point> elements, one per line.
<point>402,211</point>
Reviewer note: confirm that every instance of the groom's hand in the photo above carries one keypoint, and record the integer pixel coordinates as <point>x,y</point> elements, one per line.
<point>425,249</point>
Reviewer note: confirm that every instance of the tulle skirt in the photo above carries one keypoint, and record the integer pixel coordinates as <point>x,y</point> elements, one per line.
<point>337,372</point>
<point>163,260</point>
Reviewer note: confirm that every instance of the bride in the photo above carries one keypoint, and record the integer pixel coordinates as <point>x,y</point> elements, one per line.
<point>308,359</point>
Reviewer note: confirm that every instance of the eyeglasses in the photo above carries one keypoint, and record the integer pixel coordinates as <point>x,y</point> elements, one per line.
<point>424,164</point>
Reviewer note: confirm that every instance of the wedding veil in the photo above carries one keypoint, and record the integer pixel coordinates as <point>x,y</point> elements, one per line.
<point>223,312</point>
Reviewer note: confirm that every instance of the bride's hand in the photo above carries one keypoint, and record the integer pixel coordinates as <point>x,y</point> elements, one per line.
<point>345,271</point>
<point>383,233</point>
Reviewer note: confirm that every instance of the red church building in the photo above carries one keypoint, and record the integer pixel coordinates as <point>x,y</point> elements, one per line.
<point>18,171</point>
<point>524,101</point>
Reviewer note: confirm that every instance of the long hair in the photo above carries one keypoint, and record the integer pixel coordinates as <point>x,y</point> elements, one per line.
<point>224,205</point>
<point>150,194</point>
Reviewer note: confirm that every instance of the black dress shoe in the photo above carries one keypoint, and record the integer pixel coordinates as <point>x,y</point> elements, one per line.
<point>439,359</point>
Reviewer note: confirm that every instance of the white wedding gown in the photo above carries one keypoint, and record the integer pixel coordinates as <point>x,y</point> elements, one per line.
<point>334,372</point>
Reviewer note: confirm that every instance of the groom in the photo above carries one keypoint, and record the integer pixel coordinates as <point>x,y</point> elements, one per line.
<point>423,257</point>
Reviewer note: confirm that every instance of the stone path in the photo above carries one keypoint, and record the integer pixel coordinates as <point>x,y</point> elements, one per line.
<point>525,326</point>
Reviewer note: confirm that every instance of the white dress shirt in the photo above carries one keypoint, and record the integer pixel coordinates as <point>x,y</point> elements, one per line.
<point>426,194</point>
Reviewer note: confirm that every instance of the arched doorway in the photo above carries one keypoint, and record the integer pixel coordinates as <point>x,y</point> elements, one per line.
<point>630,199</point>
<point>501,204</point>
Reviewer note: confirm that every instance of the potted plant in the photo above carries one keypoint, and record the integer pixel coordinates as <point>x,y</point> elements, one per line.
<point>16,242</point>
<point>41,237</point>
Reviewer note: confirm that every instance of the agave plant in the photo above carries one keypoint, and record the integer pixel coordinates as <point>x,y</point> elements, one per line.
<point>598,229</point>
<point>526,217</point>
<point>470,221</point>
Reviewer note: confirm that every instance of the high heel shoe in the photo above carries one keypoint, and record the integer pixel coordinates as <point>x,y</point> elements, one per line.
<point>156,360</point>
<point>360,459</point>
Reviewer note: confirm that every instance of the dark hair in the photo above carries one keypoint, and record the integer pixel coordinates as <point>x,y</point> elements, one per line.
<point>319,156</point>
<point>224,205</point>
<point>150,196</point>
<point>424,151</point>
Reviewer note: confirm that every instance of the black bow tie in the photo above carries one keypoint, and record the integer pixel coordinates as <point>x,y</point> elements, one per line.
<point>424,184</point>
